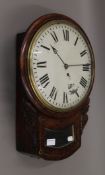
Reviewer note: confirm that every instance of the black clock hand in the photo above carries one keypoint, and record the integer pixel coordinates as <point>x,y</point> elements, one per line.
<point>56,52</point>
<point>71,65</point>
<point>74,65</point>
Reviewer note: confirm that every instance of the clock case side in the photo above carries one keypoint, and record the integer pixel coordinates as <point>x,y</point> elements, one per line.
<point>26,114</point>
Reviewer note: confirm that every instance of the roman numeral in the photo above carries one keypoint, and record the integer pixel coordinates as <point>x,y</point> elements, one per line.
<point>83,53</point>
<point>83,82</point>
<point>54,36</point>
<point>65,97</point>
<point>66,35</point>
<point>47,48</point>
<point>76,41</point>
<point>53,93</point>
<point>42,64</point>
<point>44,80</point>
<point>86,67</point>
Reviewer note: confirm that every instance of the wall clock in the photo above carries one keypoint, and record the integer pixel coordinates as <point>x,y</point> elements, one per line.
<point>55,75</point>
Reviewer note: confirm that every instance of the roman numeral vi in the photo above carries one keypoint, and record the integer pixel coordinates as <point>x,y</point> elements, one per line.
<point>65,97</point>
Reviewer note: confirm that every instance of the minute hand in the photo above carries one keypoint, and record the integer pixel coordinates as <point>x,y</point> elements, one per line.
<point>60,58</point>
<point>56,52</point>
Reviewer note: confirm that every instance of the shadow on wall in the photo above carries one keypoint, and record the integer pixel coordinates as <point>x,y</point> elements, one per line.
<point>16,20</point>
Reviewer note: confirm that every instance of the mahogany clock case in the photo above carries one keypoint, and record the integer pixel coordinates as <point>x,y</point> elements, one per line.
<point>32,117</point>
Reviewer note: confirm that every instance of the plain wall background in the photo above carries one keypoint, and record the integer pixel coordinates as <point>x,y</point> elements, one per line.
<point>15,17</point>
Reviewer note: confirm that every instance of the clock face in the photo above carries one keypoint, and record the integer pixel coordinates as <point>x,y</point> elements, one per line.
<point>60,65</point>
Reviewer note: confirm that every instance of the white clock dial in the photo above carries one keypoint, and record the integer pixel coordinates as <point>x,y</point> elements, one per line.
<point>60,65</point>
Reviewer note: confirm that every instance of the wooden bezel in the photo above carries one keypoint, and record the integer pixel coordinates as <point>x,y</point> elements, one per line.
<point>35,26</point>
